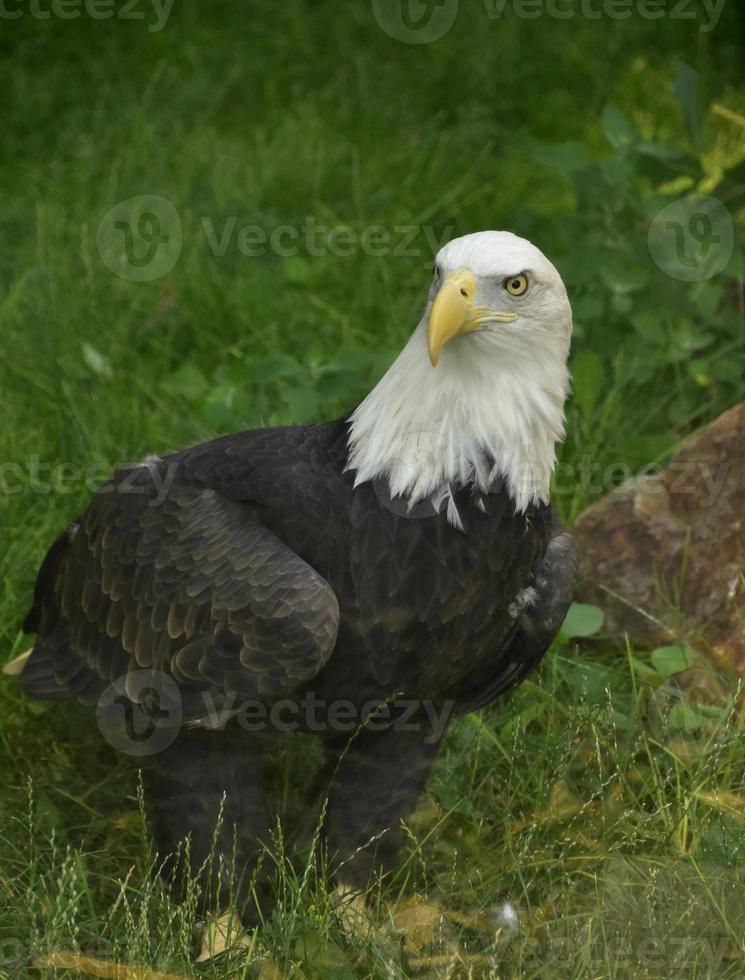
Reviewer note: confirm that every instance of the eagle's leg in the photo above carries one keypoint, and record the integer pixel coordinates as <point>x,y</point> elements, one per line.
<point>377,778</point>
<point>204,797</point>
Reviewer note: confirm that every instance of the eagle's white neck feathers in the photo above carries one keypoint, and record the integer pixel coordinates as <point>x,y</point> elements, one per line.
<point>492,409</point>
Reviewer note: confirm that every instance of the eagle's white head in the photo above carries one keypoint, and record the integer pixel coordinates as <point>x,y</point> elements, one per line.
<point>477,395</point>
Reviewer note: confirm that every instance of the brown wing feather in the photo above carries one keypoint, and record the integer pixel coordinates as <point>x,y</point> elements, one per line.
<point>193,585</point>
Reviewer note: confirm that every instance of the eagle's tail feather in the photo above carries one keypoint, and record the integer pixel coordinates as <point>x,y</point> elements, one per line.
<point>55,670</point>
<point>39,674</point>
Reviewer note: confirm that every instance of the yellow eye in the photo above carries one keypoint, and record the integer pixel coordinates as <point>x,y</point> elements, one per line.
<point>516,285</point>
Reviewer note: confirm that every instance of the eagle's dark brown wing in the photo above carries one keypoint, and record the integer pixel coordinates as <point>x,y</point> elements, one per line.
<point>541,610</point>
<point>192,585</point>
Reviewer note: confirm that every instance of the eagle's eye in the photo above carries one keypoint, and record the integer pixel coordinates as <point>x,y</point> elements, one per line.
<point>516,285</point>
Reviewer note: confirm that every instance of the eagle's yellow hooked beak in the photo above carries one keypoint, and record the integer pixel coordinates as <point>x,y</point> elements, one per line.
<point>453,312</point>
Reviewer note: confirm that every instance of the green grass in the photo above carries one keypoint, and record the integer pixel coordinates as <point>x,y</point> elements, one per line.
<point>618,845</point>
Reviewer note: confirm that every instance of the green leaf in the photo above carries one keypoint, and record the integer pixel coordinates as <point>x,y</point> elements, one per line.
<point>686,337</point>
<point>683,717</point>
<point>659,150</point>
<point>590,681</point>
<point>97,362</point>
<point>589,307</point>
<point>567,157</point>
<point>724,368</point>
<point>186,382</point>
<point>650,327</point>
<point>219,407</point>
<point>621,303</point>
<point>323,959</point>
<point>281,366</point>
<point>616,169</point>
<point>582,620</point>
<point>618,130</point>
<point>709,298</point>
<point>303,404</point>
<point>673,659</point>
<point>623,275</point>
<point>644,670</point>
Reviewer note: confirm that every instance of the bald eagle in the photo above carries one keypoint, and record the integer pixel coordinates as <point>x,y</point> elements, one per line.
<point>364,580</point>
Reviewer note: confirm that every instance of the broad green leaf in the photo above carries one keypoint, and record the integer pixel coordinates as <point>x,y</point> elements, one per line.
<point>673,659</point>
<point>582,619</point>
<point>685,718</point>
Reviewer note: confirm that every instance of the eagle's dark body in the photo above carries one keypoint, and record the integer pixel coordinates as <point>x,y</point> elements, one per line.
<point>250,567</point>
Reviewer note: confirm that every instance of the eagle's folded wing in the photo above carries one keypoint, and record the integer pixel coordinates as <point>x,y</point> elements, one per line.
<point>538,621</point>
<point>194,586</point>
